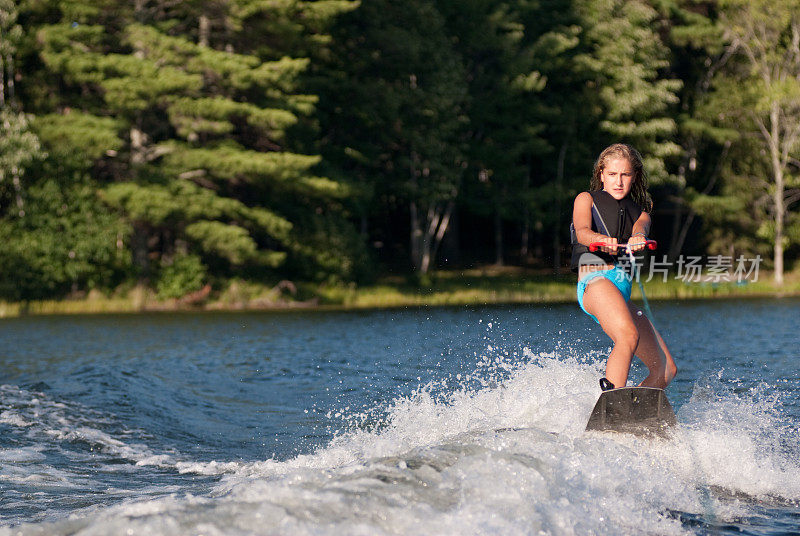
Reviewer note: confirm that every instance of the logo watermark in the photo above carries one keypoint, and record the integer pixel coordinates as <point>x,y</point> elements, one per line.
<point>696,269</point>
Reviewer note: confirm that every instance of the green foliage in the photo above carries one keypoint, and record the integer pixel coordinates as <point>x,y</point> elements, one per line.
<point>225,240</point>
<point>65,242</point>
<point>19,148</point>
<point>505,121</point>
<point>184,274</point>
<point>187,142</point>
<point>736,217</point>
<point>228,161</point>
<point>717,208</point>
<point>327,248</point>
<point>192,117</point>
<point>10,31</point>
<point>393,113</point>
<point>78,139</point>
<point>763,42</point>
<point>183,121</point>
<point>625,57</point>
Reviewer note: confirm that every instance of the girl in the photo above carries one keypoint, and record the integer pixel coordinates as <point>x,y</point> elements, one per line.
<point>617,211</point>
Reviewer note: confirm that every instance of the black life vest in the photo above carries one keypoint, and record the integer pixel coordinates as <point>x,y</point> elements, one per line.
<point>609,217</point>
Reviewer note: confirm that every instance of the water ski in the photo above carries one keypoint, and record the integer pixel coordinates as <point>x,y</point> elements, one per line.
<point>642,411</point>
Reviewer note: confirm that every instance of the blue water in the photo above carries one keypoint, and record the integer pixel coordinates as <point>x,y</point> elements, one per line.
<point>431,420</point>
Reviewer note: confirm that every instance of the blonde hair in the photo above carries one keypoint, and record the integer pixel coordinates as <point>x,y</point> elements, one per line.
<point>639,186</point>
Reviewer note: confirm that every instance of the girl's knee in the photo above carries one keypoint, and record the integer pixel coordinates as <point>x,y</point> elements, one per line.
<point>672,370</point>
<point>628,337</point>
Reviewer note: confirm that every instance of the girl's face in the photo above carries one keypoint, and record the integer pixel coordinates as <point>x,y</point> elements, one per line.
<point>617,177</point>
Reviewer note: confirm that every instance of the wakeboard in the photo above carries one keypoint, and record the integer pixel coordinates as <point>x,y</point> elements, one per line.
<point>641,411</point>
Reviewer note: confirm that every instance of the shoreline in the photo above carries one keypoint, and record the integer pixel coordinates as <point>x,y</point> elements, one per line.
<point>477,287</point>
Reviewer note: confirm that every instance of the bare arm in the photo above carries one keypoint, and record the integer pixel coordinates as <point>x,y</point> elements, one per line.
<point>582,221</point>
<point>641,229</point>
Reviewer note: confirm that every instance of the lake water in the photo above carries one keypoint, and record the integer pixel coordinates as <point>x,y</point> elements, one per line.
<point>415,421</point>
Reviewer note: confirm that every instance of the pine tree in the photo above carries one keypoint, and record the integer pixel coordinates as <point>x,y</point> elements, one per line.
<point>393,116</point>
<point>625,55</point>
<point>56,237</point>
<point>698,51</point>
<point>602,62</point>
<point>194,114</point>
<point>504,125</point>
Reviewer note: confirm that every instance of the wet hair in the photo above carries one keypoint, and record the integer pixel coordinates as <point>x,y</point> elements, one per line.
<point>639,186</point>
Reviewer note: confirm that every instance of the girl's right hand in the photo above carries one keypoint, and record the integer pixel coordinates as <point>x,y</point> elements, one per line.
<point>610,246</point>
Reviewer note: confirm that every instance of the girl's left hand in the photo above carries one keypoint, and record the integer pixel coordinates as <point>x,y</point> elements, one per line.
<point>637,242</point>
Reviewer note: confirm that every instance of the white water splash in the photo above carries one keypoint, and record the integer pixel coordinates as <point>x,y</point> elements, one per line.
<point>501,458</point>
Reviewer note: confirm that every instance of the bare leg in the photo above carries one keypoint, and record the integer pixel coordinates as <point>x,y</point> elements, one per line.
<point>603,300</point>
<point>672,369</point>
<point>652,351</point>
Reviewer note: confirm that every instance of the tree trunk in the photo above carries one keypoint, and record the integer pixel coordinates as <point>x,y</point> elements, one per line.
<point>138,140</point>
<point>780,211</point>
<point>426,236</point>
<point>17,181</point>
<point>441,228</point>
<point>363,227</point>
<point>138,10</point>
<point>140,250</point>
<point>778,195</point>
<point>562,155</point>
<point>416,237</point>
<point>525,236</point>
<point>676,245</point>
<point>204,31</point>
<point>680,233</point>
<point>678,202</point>
<point>10,78</point>
<point>498,238</point>
<point>425,241</point>
<point>2,82</point>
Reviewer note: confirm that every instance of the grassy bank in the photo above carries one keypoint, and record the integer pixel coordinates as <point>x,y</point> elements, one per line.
<point>489,285</point>
<point>494,285</point>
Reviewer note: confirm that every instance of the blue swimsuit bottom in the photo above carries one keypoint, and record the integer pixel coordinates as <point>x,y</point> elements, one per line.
<point>618,276</point>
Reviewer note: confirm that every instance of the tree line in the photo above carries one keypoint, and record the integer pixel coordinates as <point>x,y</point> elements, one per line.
<point>184,143</point>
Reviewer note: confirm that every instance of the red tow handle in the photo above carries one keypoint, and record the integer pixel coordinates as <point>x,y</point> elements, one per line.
<point>594,246</point>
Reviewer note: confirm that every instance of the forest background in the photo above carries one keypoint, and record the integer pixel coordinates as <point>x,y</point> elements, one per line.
<point>198,148</point>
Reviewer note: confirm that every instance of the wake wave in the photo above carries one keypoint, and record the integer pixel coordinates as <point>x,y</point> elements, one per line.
<point>77,430</point>
<point>503,453</point>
